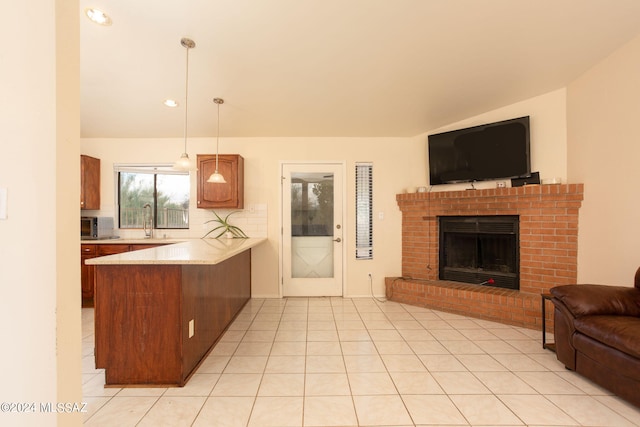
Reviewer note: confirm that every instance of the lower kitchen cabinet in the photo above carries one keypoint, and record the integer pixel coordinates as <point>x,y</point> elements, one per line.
<point>154,324</point>
<point>87,272</point>
<point>111,249</point>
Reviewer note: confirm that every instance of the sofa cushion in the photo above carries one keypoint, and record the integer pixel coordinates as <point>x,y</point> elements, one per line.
<point>584,300</point>
<point>619,332</point>
<point>610,368</point>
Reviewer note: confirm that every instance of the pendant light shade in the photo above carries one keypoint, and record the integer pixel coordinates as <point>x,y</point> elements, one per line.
<point>184,163</point>
<point>216,177</point>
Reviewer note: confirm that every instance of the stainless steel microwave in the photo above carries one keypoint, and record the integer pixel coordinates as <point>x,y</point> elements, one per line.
<point>96,227</point>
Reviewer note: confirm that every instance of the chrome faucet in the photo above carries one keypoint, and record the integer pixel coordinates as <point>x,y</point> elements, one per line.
<point>148,216</point>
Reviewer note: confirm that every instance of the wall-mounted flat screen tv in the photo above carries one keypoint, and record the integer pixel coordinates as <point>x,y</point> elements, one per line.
<point>487,152</point>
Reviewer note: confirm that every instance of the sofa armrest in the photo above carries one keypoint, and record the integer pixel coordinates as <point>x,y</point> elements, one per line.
<point>563,331</point>
<point>583,300</point>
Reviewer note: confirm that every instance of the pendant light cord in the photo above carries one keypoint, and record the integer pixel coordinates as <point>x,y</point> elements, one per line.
<point>184,163</point>
<point>218,138</point>
<point>218,101</point>
<point>186,100</point>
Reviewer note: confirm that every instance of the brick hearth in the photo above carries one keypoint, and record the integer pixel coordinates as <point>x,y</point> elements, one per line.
<point>548,250</point>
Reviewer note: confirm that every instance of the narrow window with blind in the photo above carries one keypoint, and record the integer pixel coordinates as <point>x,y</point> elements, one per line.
<point>364,210</point>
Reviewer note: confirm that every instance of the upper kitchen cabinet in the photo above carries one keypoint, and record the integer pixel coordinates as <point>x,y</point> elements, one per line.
<point>89,182</point>
<point>221,196</point>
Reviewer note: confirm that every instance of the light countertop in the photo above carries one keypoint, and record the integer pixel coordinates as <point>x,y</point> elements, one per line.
<point>192,251</point>
<point>129,241</point>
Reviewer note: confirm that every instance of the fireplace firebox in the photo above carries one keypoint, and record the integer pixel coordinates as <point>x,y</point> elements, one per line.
<point>480,250</point>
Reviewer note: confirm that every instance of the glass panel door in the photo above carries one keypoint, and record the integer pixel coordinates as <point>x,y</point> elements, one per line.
<point>312,224</point>
<point>312,231</point>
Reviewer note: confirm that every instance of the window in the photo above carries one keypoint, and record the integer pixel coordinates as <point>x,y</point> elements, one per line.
<point>364,211</point>
<point>312,204</point>
<point>165,191</point>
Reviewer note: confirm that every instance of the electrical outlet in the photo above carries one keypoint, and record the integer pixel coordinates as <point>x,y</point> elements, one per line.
<point>192,328</point>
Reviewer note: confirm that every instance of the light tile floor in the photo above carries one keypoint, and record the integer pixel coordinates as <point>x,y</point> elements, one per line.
<point>349,362</point>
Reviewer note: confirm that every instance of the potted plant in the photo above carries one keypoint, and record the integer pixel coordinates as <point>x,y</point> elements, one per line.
<point>226,229</point>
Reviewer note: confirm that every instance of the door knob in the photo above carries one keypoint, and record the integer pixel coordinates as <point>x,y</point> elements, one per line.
<point>337,240</point>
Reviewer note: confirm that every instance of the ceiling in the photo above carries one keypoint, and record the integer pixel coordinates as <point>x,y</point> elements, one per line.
<point>319,68</point>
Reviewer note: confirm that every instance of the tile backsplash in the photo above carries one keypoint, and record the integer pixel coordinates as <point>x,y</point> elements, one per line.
<point>252,220</point>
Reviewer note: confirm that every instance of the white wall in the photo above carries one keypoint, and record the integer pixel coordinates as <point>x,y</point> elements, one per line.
<point>548,127</point>
<point>582,134</point>
<point>39,118</point>
<point>38,165</point>
<point>585,133</point>
<point>603,112</point>
<point>398,163</point>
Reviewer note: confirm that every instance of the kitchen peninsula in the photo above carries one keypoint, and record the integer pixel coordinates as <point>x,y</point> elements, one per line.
<point>159,311</point>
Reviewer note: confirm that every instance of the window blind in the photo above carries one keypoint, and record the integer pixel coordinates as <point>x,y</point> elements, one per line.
<point>364,210</point>
<point>163,168</point>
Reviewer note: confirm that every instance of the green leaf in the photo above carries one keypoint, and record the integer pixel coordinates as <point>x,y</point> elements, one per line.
<point>225,226</point>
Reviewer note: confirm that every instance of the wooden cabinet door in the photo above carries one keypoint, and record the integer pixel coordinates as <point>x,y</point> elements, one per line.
<point>140,246</point>
<point>224,196</point>
<point>89,182</point>
<point>107,249</point>
<point>87,274</point>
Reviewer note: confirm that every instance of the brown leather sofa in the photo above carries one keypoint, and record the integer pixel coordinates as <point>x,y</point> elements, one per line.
<point>597,334</point>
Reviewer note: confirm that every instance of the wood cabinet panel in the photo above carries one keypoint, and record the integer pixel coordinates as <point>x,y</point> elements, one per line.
<point>111,249</point>
<point>140,246</point>
<point>89,182</point>
<point>212,296</point>
<point>143,312</point>
<point>229,195</point>
<point>138,333</point>
<point>87,272</point>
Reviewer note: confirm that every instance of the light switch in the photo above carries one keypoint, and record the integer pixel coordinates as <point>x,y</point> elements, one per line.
<point>3,203</point>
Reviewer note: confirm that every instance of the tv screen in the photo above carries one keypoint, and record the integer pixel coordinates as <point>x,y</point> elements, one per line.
<point>492,151</point>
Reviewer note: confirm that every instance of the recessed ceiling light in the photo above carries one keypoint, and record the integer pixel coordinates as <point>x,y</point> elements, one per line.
<point>98,16</point>
<point>170,103</point>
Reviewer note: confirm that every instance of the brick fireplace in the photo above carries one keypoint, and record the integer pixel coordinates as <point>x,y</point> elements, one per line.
<point>548,221</point>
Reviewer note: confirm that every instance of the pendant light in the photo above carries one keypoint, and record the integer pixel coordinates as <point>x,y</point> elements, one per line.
<point>216,177</point>
<point>184,163</point>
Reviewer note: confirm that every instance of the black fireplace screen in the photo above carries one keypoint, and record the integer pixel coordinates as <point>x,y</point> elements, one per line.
<point>480,250</point>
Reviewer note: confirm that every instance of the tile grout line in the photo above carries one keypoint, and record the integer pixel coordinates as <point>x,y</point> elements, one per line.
<point>509,337</point>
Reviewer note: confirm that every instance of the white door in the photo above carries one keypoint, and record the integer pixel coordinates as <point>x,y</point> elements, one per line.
<point>312,238</point>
